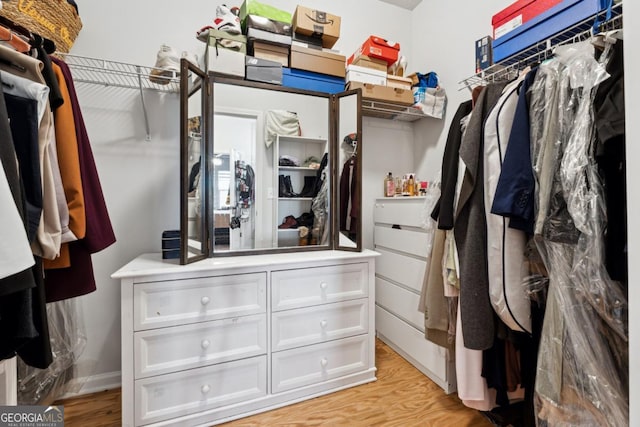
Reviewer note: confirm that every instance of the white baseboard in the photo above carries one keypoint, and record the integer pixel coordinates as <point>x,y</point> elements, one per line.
<point>96,383</point>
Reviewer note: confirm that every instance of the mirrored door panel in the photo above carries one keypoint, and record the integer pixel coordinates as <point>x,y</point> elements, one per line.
<point>348,193</point>
<point>271,169</point>
<point>194,169</point>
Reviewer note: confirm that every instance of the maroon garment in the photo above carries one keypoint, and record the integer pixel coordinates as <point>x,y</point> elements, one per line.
<point>79,279</point>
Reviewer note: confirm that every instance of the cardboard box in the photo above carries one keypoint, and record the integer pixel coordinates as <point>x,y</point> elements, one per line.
<point>518,13</point>
<point>256,34</point>
<point>269,25</point>
<point>270,52</point>
<point>311,22</point>
<point>548,23</point>
<point>484,53</point>
<point>317,61</point>
<point>308,80</point>
<point>399,82</point>
<point>225,40</point>
<point>379,48</point>
<point>261,70</point>
<point>365,61</point>
<point>224,61</point>
<point>356,73</point>
<point>393,95</point>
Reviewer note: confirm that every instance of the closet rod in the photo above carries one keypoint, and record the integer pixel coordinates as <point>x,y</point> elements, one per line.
<point>509,67</point>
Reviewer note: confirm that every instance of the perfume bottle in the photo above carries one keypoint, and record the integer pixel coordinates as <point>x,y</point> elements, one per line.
<point>389,186</point>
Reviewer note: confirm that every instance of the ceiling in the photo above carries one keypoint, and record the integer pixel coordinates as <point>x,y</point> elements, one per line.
<point>405,4</point>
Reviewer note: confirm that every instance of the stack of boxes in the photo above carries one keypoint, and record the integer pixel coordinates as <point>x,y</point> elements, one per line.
<point>314,65</point>
<point>225,53</point>
<point>367,70</point>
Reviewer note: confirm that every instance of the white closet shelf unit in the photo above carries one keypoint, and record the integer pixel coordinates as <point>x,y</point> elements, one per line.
<point>121,75</point>
<point>509,67</point>
<point>390,111</point>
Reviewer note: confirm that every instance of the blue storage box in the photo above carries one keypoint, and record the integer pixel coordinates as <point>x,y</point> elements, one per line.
<point>308,80</point>
<point>554,20</point>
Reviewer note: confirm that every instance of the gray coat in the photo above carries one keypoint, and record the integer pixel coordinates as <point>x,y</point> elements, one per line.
<point>470,230</point>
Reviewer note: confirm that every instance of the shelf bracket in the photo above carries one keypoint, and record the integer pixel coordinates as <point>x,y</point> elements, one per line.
<point>144,106</point>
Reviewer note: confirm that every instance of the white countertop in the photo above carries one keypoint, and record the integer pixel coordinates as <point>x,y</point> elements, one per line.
<point>151,264</point>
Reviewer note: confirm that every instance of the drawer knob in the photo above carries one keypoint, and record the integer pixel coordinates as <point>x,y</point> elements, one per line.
<point>324,362</point>
<point>205,389</point>
<point>204,300</point>
<point>205,344</point>
<point>324,285</point>
<point>323,324</point>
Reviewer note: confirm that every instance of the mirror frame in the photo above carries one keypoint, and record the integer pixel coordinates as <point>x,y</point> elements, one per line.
<point>209,79</point>
<point>187,89</point>
<point>335,195</point>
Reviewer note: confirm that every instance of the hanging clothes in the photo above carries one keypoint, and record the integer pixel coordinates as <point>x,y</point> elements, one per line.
<point>78,279</point>
<point>349,198</point>
<point>471,231</point>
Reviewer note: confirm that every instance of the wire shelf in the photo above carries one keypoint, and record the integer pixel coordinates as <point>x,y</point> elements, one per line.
<point>386,110</point>
<point>118,74</point>
<point>509,67</point>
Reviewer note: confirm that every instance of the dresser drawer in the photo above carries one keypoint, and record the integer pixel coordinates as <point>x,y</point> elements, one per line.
<point>409,241</point>
<point>180,302</point>
<point>400,302</point>
<point>406,270</point>
<point>176,348</point>
<point>317,363</point>
<point>196,390</point>
<point>401,211</point>
<point>318,285</point>
<point>311,325</point>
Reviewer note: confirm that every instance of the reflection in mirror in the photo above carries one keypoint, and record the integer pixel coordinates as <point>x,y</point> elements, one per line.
<point>268,169</point>
<point>193,167</point>
<point>348,198</point>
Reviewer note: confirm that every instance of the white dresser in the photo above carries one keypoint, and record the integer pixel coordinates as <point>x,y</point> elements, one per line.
<point>402,245</point>
<point>228,337</point>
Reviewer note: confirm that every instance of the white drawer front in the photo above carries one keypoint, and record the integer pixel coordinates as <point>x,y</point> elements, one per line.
<point>409,241</point>
<point>413,343</point>
<point>317,363</point>
<point>311,325</point>
<point>173,349</point>
<point>167,396</point>
<point>406,211</point>
<point>399,301</point>
<point>318,285</point>
<point>195,300</point>
<point>406,270</point>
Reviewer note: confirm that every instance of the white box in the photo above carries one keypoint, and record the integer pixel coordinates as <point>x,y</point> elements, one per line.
<point>225,61</point>
<point>356,73</point>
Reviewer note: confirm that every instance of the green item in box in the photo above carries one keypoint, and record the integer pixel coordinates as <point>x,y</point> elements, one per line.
<point>252,7</point>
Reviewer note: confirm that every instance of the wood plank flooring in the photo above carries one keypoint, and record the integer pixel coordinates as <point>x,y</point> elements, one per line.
<point>402,396</point>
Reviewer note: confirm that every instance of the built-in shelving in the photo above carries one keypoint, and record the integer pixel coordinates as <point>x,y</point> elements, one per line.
<point>390,111</point>
<point>509,67</point>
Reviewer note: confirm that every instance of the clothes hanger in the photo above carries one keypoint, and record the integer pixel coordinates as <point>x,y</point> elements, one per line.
<point>13,40</point>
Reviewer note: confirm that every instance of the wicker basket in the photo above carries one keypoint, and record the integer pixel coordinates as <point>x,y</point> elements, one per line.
<point>56,20</point>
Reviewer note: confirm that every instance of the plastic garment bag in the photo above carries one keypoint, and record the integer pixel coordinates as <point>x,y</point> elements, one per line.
<point>583,357</point>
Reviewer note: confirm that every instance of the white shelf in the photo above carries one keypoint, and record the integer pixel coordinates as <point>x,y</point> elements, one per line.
<point>288,230</point>
<point>391,111</point>
<point>295,199</point>
<point>297,168</point>
<point>302,139</point>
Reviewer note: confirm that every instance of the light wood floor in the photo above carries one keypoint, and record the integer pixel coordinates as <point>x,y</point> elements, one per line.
<point>402,396</point>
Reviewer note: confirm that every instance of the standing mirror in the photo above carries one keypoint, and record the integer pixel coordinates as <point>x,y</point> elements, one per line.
<point>348,195</point>
<point>271,168</point>
<point>194,168</point>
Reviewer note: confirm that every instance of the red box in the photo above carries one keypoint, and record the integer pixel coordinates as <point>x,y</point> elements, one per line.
<point>379,48</point>
<point>517,14</point>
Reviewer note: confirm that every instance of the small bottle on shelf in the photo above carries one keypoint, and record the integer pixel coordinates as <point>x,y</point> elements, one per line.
<point>411,186</point>
<point>389,186</point>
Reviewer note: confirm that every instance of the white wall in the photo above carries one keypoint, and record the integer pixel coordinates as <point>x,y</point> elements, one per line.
<point>140,179</point>
<point>444,37</point>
